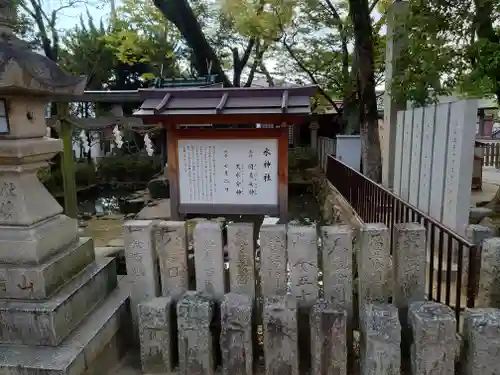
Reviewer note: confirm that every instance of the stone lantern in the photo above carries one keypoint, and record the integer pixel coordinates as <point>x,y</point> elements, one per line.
<point>50,281</point>
<point>27,210</point>
<point>314,127</point>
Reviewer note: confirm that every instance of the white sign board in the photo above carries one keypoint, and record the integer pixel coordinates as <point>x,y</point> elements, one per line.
<point>232,171</point>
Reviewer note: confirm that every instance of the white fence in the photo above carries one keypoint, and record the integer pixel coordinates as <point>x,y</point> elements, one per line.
<point>326,146</point>
<point>434,158</point>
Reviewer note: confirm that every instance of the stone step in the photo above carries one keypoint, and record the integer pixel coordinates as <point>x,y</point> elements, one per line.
<point>36,243</point>
<point>50,322</point>
<point>95,347</point>
<point>40,281</point>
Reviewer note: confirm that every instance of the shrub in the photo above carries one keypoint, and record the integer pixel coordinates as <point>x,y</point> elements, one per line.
<point>128,168</point>
<point>51,180</point>
<point>85,175</point>
<point>301,158</point>
<point>117,168</point>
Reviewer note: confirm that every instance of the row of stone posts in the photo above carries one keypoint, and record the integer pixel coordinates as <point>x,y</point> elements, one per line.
<point>207,327</point>
<point>427,329</point>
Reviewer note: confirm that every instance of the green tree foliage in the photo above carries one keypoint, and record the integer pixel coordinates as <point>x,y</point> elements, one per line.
<point>140,35</point>
<point>226,38</point>
<point>316,47</point>
<point>260,19</point>
<point>258,25</point>
<point>453,48</point>
<point>87,53</point>
<point>127,54</point>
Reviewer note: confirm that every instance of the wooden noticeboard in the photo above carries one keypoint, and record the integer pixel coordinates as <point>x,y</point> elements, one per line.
<point>228,171</point>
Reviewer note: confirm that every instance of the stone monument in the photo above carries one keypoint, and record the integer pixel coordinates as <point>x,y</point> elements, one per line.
<point>60,310</point>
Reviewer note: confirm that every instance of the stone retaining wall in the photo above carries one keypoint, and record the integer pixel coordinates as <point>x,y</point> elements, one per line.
<point>334,208</point>
<point>292,308</point>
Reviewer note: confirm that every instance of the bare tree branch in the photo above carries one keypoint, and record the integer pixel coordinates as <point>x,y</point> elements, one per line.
<point>240,63</point>
<point>69,5</point>
<point>248,51</point>
<point>311,76</point>
<point>38,17</point>
<point>374,4</point>
<point>258,57</point>
<point>47,24</point>
<point>343,38</point>
<point>265,72</point>
<point>27,9</point>
<point>260,50</point>
<point>333,11</point>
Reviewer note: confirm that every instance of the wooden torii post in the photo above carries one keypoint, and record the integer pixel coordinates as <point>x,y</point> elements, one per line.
<point>65,124</point>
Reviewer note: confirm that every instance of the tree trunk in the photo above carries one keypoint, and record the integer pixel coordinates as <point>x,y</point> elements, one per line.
<point>350,110</point>
<point>372,162</point>
<point>179,12</point>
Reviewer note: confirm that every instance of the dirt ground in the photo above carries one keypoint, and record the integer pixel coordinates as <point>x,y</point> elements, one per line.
<point>104,229</point>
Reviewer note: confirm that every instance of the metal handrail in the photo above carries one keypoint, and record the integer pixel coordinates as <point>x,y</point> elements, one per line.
<point>375,203</point>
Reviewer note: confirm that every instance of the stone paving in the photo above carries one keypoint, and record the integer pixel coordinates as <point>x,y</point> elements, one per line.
<point>491,183</point>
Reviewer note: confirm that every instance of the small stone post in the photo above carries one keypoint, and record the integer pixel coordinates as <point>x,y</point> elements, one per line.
<point>338,275</point>
<point>302,248</point>
<point>241,258</point>
<point>190,225</point>
<point>195,312</point>
<point>337,266</point>
<point>489,277</point>
<point>281,352</point>
<point>328,339</point>
<point>409,263</point>
<point>313,127</point>
<point>236,334</point>
<point>476,234</point>
<point>273,260</point>
<point>380,340</point>
<point>481,335</point>
<point>434,338</point>
<point>171,247</point>
<point>209,258</point>
<point>156,335</point>
<point>373,264</point>
<point>140,258</point>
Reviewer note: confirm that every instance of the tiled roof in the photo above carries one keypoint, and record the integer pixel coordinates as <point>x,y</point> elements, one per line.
<point>226,101</point>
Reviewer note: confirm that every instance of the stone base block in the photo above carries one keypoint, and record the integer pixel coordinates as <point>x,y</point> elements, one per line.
<point>95,347</point>
<point>35,243</point>
<point>50,322</point>
<point>195,314</point>
<point>481,346</point>
<point>281,351</point>
<point>157,334</point>
<point>41,281</point>
<point>380,344</point>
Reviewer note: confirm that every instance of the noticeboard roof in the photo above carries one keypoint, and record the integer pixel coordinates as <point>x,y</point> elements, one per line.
<point>235,105</point>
